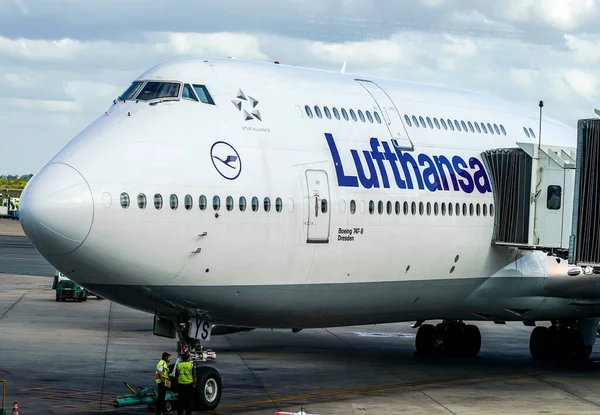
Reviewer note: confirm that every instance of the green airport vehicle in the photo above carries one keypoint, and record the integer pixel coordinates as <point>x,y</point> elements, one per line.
<point>67,289</point>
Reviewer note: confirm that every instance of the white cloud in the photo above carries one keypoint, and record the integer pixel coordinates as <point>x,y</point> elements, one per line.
<point>584,83</point>
<point>559,14</point>
<point>585,50</point>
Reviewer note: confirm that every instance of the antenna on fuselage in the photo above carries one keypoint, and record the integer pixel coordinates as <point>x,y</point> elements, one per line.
<point>343,68</point>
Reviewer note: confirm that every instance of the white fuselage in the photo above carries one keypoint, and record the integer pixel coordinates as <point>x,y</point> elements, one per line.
<point>310,261</point>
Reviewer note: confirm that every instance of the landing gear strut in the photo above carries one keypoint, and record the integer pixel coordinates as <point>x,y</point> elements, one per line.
<point>450,338</point>
<point>563,340</point>
<point>207,393</point>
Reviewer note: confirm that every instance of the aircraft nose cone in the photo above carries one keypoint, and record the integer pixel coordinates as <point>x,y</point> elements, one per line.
<point>56,209</point>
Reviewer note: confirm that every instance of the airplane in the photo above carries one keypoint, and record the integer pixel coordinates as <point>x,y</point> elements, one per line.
<point>334,200</point>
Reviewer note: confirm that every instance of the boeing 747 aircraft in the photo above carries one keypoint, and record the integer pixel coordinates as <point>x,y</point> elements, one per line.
<point>222,195</point>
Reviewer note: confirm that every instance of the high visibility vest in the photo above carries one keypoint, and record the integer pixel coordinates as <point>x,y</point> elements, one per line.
<point>162,371</point>
<point>185,373</point>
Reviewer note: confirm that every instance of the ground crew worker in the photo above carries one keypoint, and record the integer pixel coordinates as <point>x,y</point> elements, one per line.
<point>186,379</point>
<point>162,382</point>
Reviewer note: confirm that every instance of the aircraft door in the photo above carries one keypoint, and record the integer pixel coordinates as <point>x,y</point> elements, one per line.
<point>391,116</point>
<point>319,206</point>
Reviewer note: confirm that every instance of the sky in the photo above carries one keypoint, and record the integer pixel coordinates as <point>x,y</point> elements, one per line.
<point>62,62</point>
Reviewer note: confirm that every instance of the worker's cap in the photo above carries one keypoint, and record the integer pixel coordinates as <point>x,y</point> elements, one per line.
<point>186,355</point>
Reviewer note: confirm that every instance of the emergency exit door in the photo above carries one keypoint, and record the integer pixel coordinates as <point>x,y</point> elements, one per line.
<point>390,114</point>
<point>319,206</point>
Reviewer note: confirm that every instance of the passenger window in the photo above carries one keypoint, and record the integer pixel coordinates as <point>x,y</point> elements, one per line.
<point>203,94</point>
<point>405,208</point>
<point>415,121</point>
<point>141,200</point>
<point>323,205</point>
<point>216,202</point>
<point>308,111</point>
<point>202,202</point>
<point>397,208</point>
<point>361,116</point>
<point>436,208</point>
<point>413,208</point>
<point>428,209</point>
<point>380,207</point>
<point>242,203</point>
<point>450,207</point>
<point>317,112</point>
<point>532,133</point>
<point>407,119</point>
<point>554,197</point>
<point>497,129</point>
<point>471,209</point>
<point>477,127</point>
<point>429,123</point>
<point>173,202</point>
<point>421,208</point>
<point>344,114</point>
<point>371,207</point>
<point>188,93</point>
<point>450,125</point>
<point>444,124</point>
<point>502,129</point>
<point>157,90</point>
<point>457,125</point>
<point>489,126</point>
<point>158,201</point>
<point>254,204</point>
<point>464,126</point>
<point>352,207</point>
<point>353,115</point>
<point>464,210</point>
<point>444,208</point>
<point>483,128</point>
<point>336,113</point>
<point>278,204</point>
<point>124,200</point>
<point>457,209</point>
<point>491,209</point>
<point>478,209</point>
<point>369,117</point>
<point>485,209</point>
<point>436,122</point>
<point>470,126</point>
<point>327,113</point>
<point>422,121</point>
<point>131,91</point>
<point>376,115</point>
<point>229,203</point>
<point>188,202</point>
<point>267,204</point>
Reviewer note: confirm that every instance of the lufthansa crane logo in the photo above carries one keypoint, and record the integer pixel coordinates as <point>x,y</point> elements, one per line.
<point>247,106</point>
<point>226,160</point>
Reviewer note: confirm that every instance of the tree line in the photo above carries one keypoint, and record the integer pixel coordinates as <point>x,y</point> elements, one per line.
<point>14,181</point>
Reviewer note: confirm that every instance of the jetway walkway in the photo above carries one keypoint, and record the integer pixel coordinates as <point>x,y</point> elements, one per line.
<point>548,198</point>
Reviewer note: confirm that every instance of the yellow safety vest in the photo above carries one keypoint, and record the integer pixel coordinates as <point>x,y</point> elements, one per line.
<point>160,376</point>
<point>185,373</point>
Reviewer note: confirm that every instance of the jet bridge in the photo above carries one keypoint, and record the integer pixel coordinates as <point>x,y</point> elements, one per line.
<point>548,198</point>
<point>533,194</point>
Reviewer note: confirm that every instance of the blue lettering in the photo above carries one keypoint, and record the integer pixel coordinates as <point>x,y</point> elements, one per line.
<point>419,171</point>
<point>343,180</point>
<point>467,184</point>
<point>479,176</point>
<point>367,182</point>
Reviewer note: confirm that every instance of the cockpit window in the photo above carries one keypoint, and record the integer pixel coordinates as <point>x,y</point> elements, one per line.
<point>157,90</point>
<point>203,94</point>
<point>131,91</point>
<point>188,93</point>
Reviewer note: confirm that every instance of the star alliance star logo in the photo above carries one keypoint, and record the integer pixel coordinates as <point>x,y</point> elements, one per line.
<point>242,102</point>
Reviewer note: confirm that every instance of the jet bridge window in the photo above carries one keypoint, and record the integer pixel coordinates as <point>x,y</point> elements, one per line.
<point>203,94</point>
<point>553,198</point>
<point>158,90</point>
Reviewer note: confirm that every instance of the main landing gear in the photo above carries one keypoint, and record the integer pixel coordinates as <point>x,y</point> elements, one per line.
<point>207,393</point>
<point>450,338</point>
<point>568,340</point>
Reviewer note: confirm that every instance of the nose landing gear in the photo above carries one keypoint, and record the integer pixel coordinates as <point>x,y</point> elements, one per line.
<point>450,338</point>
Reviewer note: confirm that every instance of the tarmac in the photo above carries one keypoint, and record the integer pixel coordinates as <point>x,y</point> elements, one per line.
<point>72,358</point>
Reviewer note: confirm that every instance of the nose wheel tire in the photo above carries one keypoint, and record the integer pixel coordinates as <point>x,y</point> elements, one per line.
<point>208,389</point>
